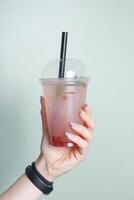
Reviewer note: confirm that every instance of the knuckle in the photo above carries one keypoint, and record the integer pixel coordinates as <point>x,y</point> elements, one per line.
<point>88,119</point>
<point>80,127</point>
<point>90,111</point>
<point>76,138</point>
<point>87,133</point>
<point>85,145</point>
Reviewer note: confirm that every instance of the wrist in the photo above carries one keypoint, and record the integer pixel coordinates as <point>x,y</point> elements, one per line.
<point>41,166</point>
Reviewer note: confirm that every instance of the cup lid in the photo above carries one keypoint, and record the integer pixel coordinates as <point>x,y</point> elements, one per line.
<point>73,69</point>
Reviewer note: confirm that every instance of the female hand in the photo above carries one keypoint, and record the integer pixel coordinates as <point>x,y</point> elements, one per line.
<point>56,161</point>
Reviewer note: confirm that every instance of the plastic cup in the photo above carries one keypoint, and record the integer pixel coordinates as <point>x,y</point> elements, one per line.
<point>64,98</point>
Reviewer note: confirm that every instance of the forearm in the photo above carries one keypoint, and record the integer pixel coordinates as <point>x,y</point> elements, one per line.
<point>22,189</point>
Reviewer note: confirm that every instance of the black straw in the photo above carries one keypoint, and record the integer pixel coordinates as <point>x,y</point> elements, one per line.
<point>63,54</point>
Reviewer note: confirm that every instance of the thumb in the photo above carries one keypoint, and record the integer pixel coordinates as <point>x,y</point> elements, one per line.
<point>44,119</point>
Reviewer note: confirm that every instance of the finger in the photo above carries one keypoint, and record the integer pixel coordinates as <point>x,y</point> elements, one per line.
<point>42,101</point>
<point>88,110</point>
<point>44,117</point>
<point>81,143</point>
<point>42,112</point>
<point>81,130</point>
<point>87,119</point>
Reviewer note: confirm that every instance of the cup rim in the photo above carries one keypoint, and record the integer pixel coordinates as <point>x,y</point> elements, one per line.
<point>51,81</point>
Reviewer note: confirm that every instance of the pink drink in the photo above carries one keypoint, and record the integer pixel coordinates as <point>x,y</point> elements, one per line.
<point>64,99</point>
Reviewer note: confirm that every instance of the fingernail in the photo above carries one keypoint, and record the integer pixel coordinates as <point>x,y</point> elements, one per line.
<point>74,125</point>
<point>69,144</point>
<point>69,135</point>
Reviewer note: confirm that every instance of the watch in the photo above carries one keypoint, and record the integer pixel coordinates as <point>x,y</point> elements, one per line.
<point>38,180</point>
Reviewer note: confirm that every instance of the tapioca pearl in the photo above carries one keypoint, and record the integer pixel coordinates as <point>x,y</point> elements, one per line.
<point>61,143</point>
<point>53,140</point>
<point>57,140</point>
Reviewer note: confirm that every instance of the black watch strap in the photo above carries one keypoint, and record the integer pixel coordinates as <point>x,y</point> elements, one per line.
<point>45,186</point>
<point>41,177</point>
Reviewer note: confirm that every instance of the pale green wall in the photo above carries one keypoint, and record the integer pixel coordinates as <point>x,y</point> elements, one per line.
<point>101,33</point>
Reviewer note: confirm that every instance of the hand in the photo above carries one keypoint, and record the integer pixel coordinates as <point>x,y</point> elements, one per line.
<point>56,161</point>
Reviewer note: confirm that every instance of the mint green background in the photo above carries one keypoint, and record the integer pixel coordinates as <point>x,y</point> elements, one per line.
<point>101,33</point>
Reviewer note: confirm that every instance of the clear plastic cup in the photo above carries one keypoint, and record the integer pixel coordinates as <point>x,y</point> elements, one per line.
<point>64,98</point>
